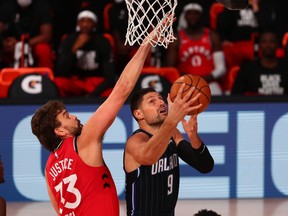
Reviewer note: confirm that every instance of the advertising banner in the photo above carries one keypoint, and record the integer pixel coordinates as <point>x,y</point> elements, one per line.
<point>249,143</point>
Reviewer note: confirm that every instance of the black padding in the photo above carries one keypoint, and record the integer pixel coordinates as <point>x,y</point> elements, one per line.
<point>234,4</point>
<point>33,86</point>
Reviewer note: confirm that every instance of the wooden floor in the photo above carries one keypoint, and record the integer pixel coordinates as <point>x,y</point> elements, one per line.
<point>237,207</point>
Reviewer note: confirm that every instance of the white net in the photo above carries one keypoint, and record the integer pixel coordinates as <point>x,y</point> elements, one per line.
<point>146,15</point>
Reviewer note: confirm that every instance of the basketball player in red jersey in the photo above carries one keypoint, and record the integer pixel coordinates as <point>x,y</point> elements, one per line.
<point>198,49</point>
<point>78,181</point>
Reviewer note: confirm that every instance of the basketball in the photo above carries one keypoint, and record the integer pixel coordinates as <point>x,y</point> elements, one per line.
<point>200,85</point>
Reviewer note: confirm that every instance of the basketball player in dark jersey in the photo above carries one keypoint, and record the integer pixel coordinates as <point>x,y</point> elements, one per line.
<point>151,154</point>
<point>78,180</point>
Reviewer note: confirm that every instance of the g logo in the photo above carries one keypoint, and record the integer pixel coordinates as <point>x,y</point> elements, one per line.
<point>32,84</point>
<point>152,81</point>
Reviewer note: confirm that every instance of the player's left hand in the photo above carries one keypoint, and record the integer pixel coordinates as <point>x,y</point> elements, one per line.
<point>191,125</point>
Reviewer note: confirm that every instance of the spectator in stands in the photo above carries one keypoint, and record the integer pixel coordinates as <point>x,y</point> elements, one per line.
<point>198,49</point>
<point>26,22</point>
<point>267,75</point>
<point>65,20</point>
<point>85,60</point>
<point>239,30</point>
<point>2,200</point>
<point>238,25</point>
<point>205,212</point>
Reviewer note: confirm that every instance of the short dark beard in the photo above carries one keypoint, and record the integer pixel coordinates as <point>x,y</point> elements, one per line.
<point>158,122</point>
<point>78,130</point>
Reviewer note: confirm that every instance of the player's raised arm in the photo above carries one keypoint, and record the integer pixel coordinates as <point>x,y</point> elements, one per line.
<point>107,112</point>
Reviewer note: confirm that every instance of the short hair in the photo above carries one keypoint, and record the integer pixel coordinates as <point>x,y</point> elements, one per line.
<point>137,98</point>
<point>268,31</point>
<point>44,122</point>
<point>205,212</point>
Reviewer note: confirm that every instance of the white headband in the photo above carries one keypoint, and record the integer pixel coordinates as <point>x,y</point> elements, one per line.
<point>24,3</point>
<point>193,6</point>
<point>87,14</point>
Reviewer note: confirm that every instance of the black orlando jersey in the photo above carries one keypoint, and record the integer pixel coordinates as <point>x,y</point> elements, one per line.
<point>153,190</point>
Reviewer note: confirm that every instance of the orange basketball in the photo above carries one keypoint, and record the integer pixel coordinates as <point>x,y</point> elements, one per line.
<point>200,85</point>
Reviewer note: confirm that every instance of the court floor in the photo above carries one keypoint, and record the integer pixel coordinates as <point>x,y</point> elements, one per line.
<point>229,207</point>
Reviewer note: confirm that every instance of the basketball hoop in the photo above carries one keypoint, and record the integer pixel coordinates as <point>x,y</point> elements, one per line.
<point>145,16</point>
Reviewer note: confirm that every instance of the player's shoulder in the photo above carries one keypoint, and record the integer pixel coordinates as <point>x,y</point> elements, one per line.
<point>138,136</point>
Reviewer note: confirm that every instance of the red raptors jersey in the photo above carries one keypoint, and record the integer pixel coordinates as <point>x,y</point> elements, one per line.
<point>78,188</point>
<point>195,56</point>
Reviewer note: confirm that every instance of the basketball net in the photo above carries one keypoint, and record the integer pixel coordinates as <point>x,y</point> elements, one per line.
<point>145,16</point>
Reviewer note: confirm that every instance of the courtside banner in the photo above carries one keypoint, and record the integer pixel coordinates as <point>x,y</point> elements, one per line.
<point>249,142</point>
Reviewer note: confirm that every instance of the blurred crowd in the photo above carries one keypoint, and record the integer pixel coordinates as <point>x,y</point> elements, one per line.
<point>238,52</point>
